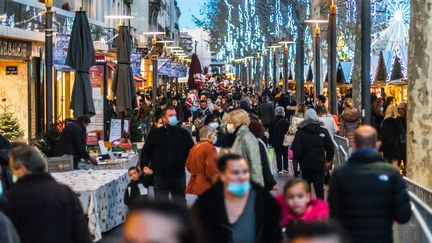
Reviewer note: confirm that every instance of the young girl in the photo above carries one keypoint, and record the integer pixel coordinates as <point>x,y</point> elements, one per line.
<point>297,205</point>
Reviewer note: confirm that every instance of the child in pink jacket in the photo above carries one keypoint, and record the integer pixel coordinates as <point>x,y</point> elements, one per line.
<point>297,205</point>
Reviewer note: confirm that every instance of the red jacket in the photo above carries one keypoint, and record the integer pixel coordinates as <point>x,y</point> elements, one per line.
<point>201,163</point>
<point>317,209</point>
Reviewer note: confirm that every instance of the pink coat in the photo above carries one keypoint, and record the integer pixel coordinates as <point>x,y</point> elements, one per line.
<point>317,209</point>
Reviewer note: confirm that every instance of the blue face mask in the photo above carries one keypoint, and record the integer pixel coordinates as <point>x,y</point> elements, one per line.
<point>239,189</point>
<point>214,124</point>
<point>1,189</point>
<point>215,140</point>
<point>172,121</point>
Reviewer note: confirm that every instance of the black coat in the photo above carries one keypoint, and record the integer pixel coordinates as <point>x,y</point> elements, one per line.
<point>312,145</point>
<point>45,211</point>
<point>269,180</point>
<point>366,195</point>
<point>266,113</point>
<point>132,192</point>
<point>277,132</point>
<point>391,130</point>
<point>167,149</point>
<point>210,210</point>
<point>73,142</point>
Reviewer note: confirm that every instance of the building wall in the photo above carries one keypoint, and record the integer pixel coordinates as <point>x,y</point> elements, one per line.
<point>203,49</point>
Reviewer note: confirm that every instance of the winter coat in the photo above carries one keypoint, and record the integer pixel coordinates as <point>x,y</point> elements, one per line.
<point>312,145</point>
<point>201,163</point>
<point>210,209</point>
<point>349,121</point>
<point>246,145</point>
<point>8,233</point>
<point>294,123</point>
<point>269,180</point>
<point>277,132</point>
<point>166,148</point>
<point>366,195</point>
<point>391,132</point>
<point>73,142</point>
<point>133,192</point>
<point>316,209</point>
<point>43,210</point>
<point>266,113</point>
<point>329,124</point>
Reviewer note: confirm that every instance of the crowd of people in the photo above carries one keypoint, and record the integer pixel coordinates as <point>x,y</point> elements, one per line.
<point>226,136</point>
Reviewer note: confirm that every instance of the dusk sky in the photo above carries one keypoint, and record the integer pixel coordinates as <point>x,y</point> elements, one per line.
<point>189,8</point>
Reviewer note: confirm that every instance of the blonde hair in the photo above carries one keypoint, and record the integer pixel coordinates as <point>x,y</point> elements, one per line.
<point>239,117</point>
<point>392,112</point>
<point>348,103</point>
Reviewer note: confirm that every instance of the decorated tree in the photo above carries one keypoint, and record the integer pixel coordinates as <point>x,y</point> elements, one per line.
<point>9,124</point>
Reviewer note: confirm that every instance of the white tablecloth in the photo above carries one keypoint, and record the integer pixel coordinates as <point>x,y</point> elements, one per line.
<point>101,195</point>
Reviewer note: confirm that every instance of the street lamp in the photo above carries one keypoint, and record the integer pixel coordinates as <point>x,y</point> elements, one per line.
<point>332,59</point>
<point>317,48</point>
<point>274,47</point>
<point>285,62</point>
<point>155,65</point>
<point>365,60</point>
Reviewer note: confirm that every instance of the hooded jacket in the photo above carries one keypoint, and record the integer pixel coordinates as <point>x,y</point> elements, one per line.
<point>349,120</point>
<point>366,195</point>
<point>316,209</point>
<point>210,209</point>
<point>246,145</point>
<point>312,145</point>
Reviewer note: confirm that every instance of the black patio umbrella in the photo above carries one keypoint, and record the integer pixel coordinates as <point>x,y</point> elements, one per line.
<point>123,85</point>
<point>340,76</point>
<point>81,56</point>
<point>195,67</point>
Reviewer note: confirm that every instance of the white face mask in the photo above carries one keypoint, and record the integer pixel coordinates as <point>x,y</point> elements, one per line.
<point>14,178</point>
<point>230,128</point>
<point>214,125</point>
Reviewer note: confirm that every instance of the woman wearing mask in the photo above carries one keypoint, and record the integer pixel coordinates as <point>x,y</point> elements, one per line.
<point>349,120</point>
<point>201,162</point>
<point>293,127</point>
<point>245,143</point>
<point>392,136</point>
<point>235,209</point>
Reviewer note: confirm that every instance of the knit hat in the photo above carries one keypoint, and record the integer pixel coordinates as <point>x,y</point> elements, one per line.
<point>279,111</point>
<point>311,116</point>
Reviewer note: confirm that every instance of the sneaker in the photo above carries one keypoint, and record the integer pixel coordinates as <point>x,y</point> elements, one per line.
<point>280,172</point>
<point>285,171</point>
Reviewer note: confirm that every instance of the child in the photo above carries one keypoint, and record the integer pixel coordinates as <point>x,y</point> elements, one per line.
<point>135,189</point>
<point>297,205</point>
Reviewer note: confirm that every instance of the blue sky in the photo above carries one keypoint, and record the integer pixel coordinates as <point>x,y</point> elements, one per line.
<point>189,8</point>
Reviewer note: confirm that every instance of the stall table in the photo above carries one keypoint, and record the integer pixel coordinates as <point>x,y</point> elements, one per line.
<point>117,164</point>
<point>101,195</point>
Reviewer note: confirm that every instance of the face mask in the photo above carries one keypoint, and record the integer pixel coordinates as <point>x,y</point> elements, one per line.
<point>215,140</point>
<point>230,128</point>
<point>159,125</point>
<point>239,189</point>
<point>214,125</point>
<point>14,178</point>
<point>172,120</point>
<point>382,109</point>
<point>1,189</point>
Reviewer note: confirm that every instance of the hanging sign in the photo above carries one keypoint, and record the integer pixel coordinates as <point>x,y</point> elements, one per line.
<point>15,49</point>
<point>11,70</point>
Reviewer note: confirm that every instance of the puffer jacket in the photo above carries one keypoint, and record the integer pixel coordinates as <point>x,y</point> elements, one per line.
<point>316,209</point>
<point>349,120</point>
<point>246,144</point>
<point>366,195</point>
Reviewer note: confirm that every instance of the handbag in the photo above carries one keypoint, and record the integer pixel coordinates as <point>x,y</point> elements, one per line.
<point>288,140</point>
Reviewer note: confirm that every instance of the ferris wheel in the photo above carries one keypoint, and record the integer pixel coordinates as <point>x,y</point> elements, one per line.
<point>390,25</point>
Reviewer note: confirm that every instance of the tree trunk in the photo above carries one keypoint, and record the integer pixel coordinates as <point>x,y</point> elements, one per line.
<point>419,118</point>
<point>356,74</point>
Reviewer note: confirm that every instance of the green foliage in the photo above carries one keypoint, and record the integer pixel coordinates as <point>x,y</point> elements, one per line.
<point>9,124</point>
<point>136,133</point>
<point>46,143</point>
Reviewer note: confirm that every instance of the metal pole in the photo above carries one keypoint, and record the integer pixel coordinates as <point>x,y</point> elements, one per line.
<point>285,68</point>
<point>365,60</point>
<point>317,61</point>
<point>48,64</point>
<point>299,73</point>
<point>258,72</point>
<point>332,60</point>
<point>274,71</point>
<point>155,74</point>
<point>249,81</point>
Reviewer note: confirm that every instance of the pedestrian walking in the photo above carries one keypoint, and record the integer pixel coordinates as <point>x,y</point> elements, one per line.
<point>279,128</point>
<point>266,112</point>
<point>201,162</point>
<point>236,209</point>
<point>164,156</point>
<point>38,198</point>
<point>295,120</point>
<point>245,143</point>
<point>366,194</point>
<point>393,136</point>
<point>314,150</point>
<point>327,120</point>
<point>349,120</point>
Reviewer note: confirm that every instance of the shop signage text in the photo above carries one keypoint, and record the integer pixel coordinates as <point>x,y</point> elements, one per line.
<point>15,49</point>
<point>11,70</point>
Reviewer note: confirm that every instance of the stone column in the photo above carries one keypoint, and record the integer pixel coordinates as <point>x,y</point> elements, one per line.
<point>419,115</point>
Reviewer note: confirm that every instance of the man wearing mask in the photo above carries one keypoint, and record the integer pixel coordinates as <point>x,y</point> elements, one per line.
<point>164,155</point>
<point>236,209</point>
<point>41,209</point>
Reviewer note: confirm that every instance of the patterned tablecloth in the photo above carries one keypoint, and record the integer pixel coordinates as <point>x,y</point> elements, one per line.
<point>101,195</point>
<point>117,164</point>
